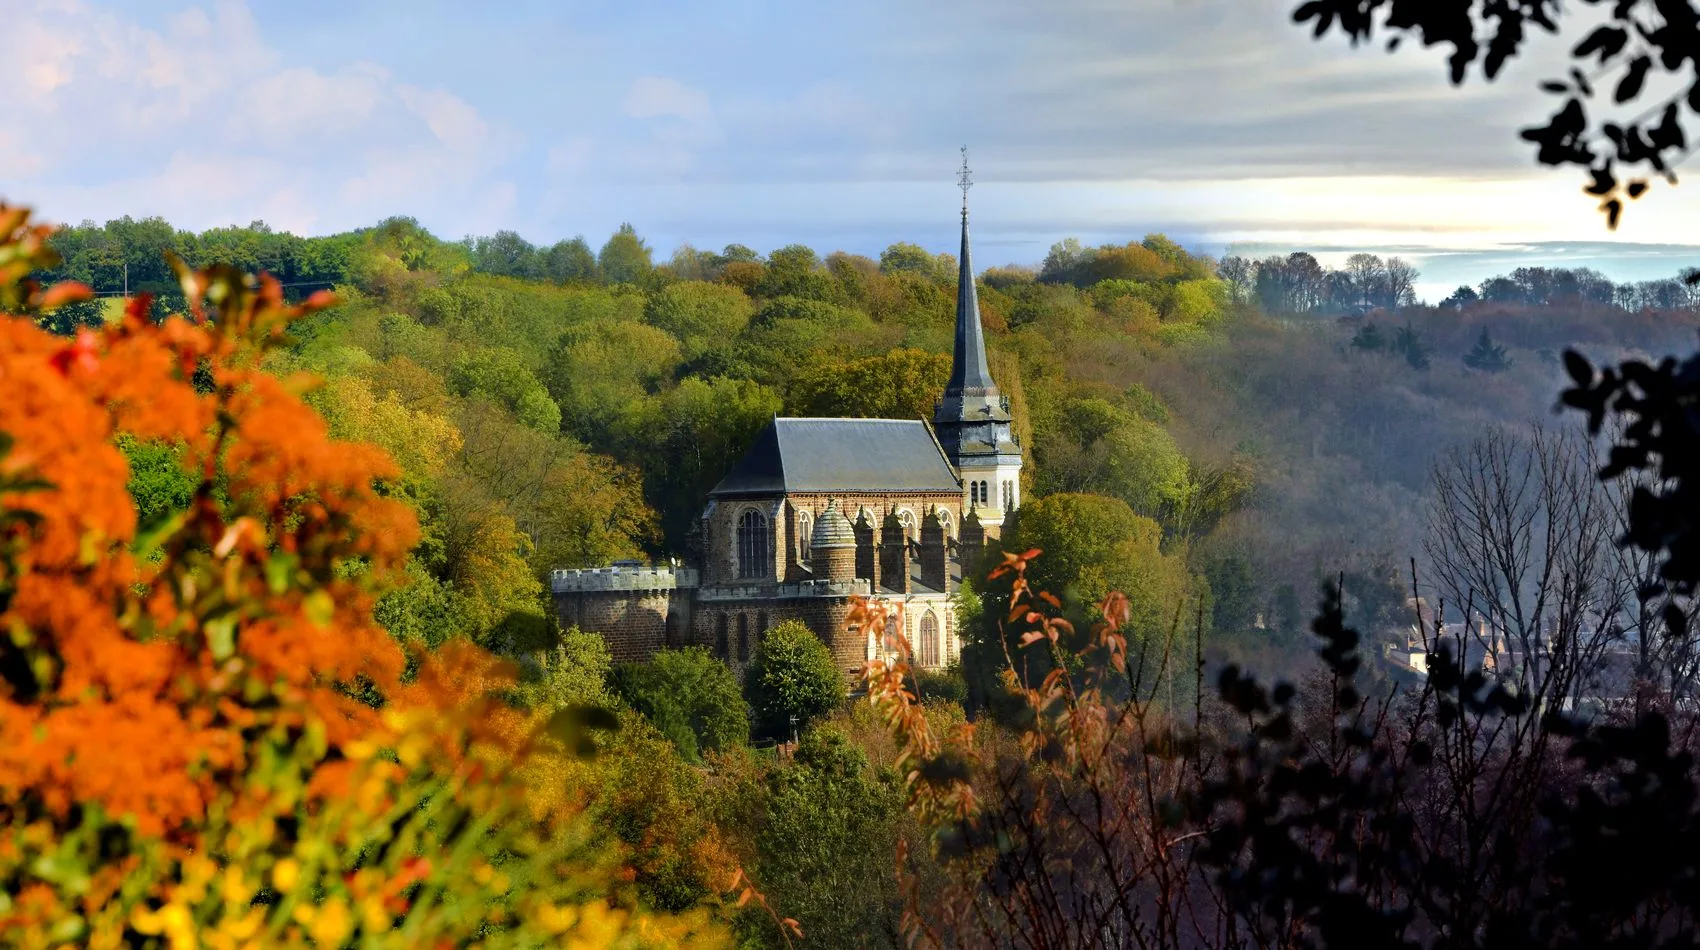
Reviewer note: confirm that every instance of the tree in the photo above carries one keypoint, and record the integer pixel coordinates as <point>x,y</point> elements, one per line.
<point>501,374</point>
<point>1093,545</point>
<point>700,315</point>
<point>1241,277</point>
<point>1636,37</point>
<point>1518,541</point>
<point>1487,356</point>
<point>904,258</point>
<point>1460,298</point>
<point>507,254</point>
<point>1369,338</point>
<point>901,384</point>
<point>1408,343</point>
<point>827,829</point>
<point>570,261</point>
<point>574,671</point>
<point>691,697</point>
<point>1369,278</point>
<point>792,676</point>
<point>625,259</point>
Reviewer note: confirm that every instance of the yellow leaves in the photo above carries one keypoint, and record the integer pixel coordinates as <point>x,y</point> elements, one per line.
<point>284,875</point>
<point>331,923</point>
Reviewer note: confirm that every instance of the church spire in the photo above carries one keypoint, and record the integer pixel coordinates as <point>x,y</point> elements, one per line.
<point>968,373</point>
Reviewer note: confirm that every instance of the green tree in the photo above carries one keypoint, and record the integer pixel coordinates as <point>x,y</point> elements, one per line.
<point>570,261</point>
<point>825,837</point>
<point>700,315</point>
<point>625,259</point>
<point>158,482</point>
<point>1409,344</point>
<point>1093,545</point>
<point>1487,356</point>
<point>574,671</point>
<point>905,258</point>
<point>901,384</point>
<point>795,271</point>
<point>501,374</point>
<point>688,438</point>
<point>507,254</point>
<point>1369,338</point>
<point>691,697</point>
<point>791,675</point>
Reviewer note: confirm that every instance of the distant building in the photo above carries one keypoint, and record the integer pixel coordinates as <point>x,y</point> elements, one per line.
<point>820,511</point>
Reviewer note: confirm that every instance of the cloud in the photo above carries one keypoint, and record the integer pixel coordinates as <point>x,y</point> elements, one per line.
<point>199,118</point>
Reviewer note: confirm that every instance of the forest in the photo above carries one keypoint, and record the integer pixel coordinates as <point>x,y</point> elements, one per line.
<point>1212,444</point>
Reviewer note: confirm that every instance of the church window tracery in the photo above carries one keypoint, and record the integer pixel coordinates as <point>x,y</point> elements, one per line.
<point>755,554</point>
<point>803,538</point>
<point>929,640</point>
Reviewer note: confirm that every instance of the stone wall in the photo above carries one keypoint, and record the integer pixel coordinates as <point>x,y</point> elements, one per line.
<point>635,623</point>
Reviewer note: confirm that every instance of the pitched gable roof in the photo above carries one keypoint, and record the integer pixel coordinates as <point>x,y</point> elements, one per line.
<point>808,455</point>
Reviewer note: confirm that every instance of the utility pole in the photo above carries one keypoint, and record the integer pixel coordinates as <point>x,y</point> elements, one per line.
<point>126,280</point>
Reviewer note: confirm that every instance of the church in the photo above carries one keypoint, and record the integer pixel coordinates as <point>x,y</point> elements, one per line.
<point>821,511</point>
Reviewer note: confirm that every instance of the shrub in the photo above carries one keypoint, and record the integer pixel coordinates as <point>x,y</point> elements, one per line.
<point>792,674</point>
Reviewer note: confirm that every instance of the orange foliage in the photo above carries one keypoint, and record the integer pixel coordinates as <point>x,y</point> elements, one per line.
<point>138,673</point>
<point>198,687</point>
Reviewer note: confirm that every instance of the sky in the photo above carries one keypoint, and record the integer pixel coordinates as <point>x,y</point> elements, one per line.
<point>837,125</point>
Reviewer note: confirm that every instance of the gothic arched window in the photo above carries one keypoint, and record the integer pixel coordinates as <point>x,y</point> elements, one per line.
<point>908,518</point>
<point>944,522</point>
<point>803,536</point>
<point>743,638</point>
<point>929,640</point>
<point>755,551</point>
<point>722,649</point>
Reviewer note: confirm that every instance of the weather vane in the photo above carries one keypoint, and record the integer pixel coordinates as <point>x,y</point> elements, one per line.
<point>964,180</point>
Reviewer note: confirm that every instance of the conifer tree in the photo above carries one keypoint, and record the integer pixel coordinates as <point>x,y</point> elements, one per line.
<point>1487,356</point>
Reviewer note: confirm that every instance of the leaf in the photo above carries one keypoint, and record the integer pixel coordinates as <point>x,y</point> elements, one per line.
<point>1631,84</point>
<point>1604,182</point>
<point>1607,41</point>
<point>221,636</point>
<point>319,607</point>
<point>63,293</point>
<point>1613,210</point>
<point>1579,368</point>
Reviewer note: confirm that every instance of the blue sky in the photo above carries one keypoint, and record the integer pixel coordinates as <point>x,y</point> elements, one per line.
<point>836,125</point>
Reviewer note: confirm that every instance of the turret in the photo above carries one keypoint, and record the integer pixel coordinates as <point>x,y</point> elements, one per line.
<point>894,554</point>
<point>865,565</point>
<point>832,546</point>
<point>934,565</point>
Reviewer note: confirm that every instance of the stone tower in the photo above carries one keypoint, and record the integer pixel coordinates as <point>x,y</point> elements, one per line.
<point>973,419</point>
<point>832,546</point>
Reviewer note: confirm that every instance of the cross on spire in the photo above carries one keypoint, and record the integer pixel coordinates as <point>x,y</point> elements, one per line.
<point>964,181</point>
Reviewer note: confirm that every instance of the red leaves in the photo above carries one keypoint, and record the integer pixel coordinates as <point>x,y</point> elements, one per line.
<point>80,354</point>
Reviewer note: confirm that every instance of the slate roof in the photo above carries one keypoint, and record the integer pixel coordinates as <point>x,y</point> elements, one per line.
<point>848,455</point>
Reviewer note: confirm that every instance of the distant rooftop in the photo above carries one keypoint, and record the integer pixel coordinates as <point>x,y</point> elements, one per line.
<point>847,455</point>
